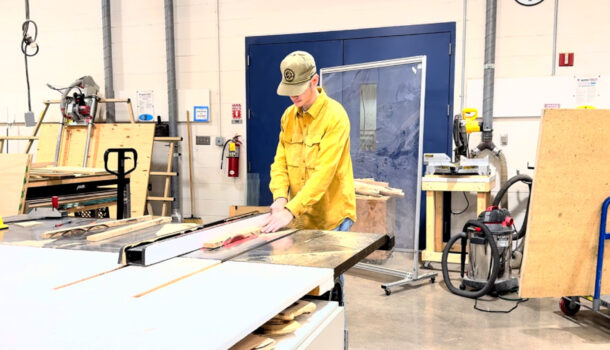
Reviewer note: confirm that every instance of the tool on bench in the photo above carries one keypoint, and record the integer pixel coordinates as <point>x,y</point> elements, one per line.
<point>441,164</point>
<point>120,174</point>
<point>39,213</point>
<point>80,107</point>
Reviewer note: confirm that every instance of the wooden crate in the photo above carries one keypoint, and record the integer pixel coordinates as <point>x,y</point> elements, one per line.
<point>376,215</point>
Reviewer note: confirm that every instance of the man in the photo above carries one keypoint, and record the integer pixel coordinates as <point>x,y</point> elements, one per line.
<point>311,177</point>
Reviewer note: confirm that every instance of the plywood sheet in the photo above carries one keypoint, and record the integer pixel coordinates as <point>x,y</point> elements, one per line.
<point>103,136</point>
<point>13,178</point>
<point>571,180</point>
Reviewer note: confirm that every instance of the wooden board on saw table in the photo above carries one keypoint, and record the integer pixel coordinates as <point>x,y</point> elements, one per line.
<point>113,223</point>
<point>103,136</point>
<point>232,236</point>
<point>571,181</point>
<point>13,177</point>
<point>128,228</point>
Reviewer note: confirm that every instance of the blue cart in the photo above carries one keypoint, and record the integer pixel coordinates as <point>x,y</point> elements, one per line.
<point>571,305</point>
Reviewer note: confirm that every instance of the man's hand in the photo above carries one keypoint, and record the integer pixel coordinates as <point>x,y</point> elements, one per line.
<point>277,220</point>
<point>278,205</point>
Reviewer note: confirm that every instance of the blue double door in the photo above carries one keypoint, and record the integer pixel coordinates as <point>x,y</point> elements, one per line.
<point>330,49</point>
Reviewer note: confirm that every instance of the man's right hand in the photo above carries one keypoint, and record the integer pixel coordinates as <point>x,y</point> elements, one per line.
<point>278,205</point>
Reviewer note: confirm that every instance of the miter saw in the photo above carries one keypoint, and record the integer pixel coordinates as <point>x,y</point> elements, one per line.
<point>79,107</point>
<point>463,164</point>
<point>82,103</point>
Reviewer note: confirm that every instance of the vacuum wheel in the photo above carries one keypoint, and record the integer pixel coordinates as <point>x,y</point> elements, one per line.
<point>568,307</point>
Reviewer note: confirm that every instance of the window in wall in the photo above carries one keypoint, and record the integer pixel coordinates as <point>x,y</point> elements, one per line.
<point>368,117</point>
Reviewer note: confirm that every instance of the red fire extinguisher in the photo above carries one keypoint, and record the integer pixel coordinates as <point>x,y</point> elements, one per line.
<point>233,156</point>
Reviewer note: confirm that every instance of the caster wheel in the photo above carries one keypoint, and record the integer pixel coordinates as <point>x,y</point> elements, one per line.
<point>433,279</point>
<point>387,291</point>
<point>462,286</point>
<point>427,265</point>
<point>568,307</point>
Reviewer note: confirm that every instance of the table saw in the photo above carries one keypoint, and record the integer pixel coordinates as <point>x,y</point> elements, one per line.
<point>141,290</point>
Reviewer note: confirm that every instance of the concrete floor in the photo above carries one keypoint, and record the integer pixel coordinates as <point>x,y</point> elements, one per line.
<point>428,316</point>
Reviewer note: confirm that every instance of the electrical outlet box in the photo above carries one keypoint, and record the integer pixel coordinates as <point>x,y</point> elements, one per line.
<point>220,141</point>
<point>202,140</point>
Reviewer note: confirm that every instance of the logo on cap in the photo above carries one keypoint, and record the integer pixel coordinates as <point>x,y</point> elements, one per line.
<point>288,74</point>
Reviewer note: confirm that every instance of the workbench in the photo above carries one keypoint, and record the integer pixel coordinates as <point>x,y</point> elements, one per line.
<point>232,296</point>
<point>75,193</point>
<point>435,185</point>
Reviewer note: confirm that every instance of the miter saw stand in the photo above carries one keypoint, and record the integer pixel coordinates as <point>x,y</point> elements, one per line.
<point>80,108</point>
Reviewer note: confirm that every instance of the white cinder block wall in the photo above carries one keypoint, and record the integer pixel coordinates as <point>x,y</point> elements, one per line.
<point>210,49</point>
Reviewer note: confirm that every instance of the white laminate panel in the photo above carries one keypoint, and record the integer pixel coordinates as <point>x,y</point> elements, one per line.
<point>213,309</point>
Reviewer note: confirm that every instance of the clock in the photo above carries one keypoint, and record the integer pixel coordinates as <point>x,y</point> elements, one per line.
<point>529,2</point>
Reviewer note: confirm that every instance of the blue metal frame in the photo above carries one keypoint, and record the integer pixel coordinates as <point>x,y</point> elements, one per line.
<point>603,236</point>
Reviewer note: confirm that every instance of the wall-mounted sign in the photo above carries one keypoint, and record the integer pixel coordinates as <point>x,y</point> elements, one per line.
<point>201,114</point>
<point>236,114</point>
<point>146,106</point>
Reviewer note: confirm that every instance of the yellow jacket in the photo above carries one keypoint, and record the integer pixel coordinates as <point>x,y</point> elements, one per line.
<point>313,166</point>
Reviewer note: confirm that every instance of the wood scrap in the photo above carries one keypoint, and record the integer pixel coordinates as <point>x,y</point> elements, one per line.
<point>278,328</point>
<point>43,164</point>
<point>232,236</point>
<point>28,223</point>
<point>299,308</point>
<point>372,181</point>
<point>112,223</point>
<point>254,342</point>
<point>59,171</point>
<point>128,228</point>
<point>376,189</point>
<point>173,228</point>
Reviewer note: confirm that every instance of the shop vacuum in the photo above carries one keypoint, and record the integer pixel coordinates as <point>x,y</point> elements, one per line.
<point>491,255</point>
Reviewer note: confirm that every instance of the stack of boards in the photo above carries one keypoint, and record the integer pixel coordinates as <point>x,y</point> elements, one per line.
<point>283,323</point>
<point>372,188</point>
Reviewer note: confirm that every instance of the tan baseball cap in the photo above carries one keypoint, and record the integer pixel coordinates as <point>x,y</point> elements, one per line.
<point>297,70</point>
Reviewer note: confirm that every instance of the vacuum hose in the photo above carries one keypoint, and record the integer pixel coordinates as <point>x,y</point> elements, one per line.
<point>500,195</point>
<point>495,265</point>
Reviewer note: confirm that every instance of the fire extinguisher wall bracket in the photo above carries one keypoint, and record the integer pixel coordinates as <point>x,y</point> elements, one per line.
<point>232,156</point>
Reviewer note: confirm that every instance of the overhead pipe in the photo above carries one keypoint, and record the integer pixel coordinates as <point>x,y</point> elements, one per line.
<point>487,144</point>
<point>554,55</point>
<point>489,75</point>
<point>108,71</point>
<point>172,98</point>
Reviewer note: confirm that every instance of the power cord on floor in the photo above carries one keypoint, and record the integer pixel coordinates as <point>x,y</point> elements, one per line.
<point>516,300</point>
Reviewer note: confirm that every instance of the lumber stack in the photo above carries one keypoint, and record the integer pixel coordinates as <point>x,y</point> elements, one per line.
<point>65,171</point>
<point>372,188</point>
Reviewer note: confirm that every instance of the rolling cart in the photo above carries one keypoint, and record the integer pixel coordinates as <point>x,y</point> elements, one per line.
<point>571,305</point>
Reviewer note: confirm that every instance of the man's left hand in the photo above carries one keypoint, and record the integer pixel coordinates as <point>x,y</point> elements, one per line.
<point>277,220</point>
